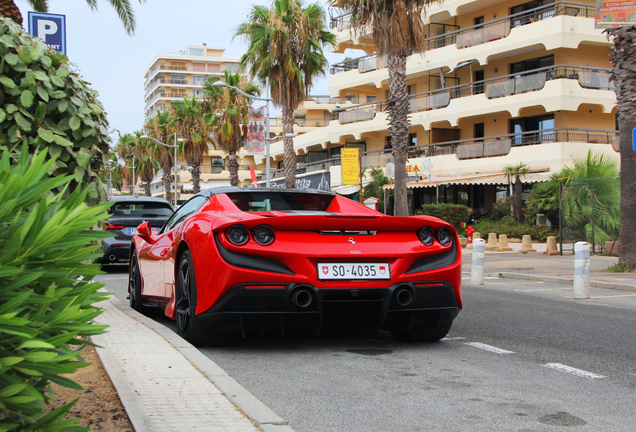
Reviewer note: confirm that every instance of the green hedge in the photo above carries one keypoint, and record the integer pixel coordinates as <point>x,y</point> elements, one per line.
<point>512,229</point>
<point>454,214</point>
<point>46,289</point>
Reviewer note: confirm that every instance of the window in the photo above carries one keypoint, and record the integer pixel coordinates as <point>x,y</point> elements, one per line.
<point>410,89</point>
<point>140,209</point>
<point>478,20</point>
<point>478,130</point>
<point>199,80</point>
<point>478,88</point>
<point>177,79</point>
<point>531,64</point>
<point>280,201</point>
<point>217,161</point>
<point>183,212</point>
<point>529,124</point>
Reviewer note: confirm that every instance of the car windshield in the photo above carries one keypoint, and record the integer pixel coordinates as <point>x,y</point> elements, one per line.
<point>140,209</point>
<point>280,201</point>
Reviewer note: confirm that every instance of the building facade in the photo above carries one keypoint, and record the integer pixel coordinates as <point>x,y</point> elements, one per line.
<point>500,83</point>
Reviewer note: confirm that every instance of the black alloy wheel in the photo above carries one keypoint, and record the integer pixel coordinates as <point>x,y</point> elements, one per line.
<point>134,286</point>
<point>188,326</point>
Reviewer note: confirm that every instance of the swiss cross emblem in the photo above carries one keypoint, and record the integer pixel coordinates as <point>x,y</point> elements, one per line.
<point>382,269</point>
<point>325,269</point>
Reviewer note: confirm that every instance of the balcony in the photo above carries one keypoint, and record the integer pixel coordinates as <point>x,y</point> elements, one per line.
<point>475,35</point>
<point>529,81</point>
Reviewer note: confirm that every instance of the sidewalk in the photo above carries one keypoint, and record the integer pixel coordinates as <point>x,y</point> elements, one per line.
<point>558,269</point>
<point>166,384</point>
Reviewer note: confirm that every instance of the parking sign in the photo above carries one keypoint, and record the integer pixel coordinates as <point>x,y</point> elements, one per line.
<point>51,28</point>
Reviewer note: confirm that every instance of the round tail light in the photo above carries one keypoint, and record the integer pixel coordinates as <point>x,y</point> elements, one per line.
<point>426,236</point>
<point>263,235</point>
<point>238,235</point>
<point>444,236</point>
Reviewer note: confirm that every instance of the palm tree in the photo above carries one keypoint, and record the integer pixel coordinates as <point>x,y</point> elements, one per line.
<point>125,149</point>
<point>229,116</point>
<point>624,76</point>
<point>159,127</point>
<point>145,165</point>
<point>517,171</point>
<point>397,31</point>
<point>375,187</point>
<point>187,120</point>
<point>285,45</point>
<point>8,9</point>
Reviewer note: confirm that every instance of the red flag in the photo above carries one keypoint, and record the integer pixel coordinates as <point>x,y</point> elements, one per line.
<point>253,174</point>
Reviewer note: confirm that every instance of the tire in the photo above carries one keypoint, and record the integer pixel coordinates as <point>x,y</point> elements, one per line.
<point>188,326</point>
<point>134,287</point>
<point>424,333</point>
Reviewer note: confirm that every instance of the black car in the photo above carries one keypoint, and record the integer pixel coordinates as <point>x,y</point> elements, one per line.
<point>126,215</point>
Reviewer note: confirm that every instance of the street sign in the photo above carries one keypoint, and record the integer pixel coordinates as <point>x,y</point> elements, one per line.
<point>350,166</point>
<point>634,139</point>
<point>51,28</point>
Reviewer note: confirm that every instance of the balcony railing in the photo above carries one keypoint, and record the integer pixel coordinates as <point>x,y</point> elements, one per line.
<point>476,35</point>
<point>533,80</point>
<point>468,149</point>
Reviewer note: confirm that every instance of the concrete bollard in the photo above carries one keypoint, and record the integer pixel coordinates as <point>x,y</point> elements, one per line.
<point>476,235</point>
<point>503,244</point>
<point>463,241</point>
<point>582,270</point>
<point>492,242</point>
<point>551,246</point>
<point>526,244</point>
<point>477,266</point>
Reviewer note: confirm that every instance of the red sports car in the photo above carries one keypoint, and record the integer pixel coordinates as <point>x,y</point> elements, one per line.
<point>234,260</point>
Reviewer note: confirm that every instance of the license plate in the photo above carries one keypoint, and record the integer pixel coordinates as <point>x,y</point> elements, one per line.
<point>131,231</point>
<point>354,271</point>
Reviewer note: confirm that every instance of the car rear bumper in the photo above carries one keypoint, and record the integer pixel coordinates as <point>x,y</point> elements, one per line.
<point>115,251</point>
<point>291,307</point>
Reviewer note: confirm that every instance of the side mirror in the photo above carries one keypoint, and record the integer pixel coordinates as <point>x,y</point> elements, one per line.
<point>145,232</point>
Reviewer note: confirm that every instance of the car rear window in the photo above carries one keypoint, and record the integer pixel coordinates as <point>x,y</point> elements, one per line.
<point>280,201</point>
<point>141,209</point>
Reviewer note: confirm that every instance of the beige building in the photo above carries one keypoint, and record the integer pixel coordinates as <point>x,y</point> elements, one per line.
<point>169,78</point>
<point>501,82</point>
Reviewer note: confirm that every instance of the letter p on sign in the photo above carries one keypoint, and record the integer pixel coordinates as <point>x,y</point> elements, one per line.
<point>51,28</point>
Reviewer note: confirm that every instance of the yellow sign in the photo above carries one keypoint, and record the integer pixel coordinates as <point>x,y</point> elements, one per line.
<point>350,166</point>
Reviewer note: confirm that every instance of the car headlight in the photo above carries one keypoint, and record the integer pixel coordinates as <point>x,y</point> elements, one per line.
<point>444,236</point>
<point>238,235</point>
<point>263,235</point>
<point>426,236</point>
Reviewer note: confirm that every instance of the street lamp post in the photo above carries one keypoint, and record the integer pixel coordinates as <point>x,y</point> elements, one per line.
<point>267,139</point>
<point>175,146</point>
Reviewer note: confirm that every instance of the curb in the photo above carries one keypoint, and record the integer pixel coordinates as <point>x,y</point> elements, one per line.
<point>262,416</point>
<point>566,281</point>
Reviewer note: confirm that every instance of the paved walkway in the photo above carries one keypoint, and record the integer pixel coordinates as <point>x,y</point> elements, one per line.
<point>166,384</point>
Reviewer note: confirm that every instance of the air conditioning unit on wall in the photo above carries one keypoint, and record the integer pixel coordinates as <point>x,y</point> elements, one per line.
<point>542,220</point>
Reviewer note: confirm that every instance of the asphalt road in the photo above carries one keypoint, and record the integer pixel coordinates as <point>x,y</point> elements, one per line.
<point>521,356</point>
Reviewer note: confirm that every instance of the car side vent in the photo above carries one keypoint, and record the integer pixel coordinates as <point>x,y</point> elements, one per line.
<point>347,232</point>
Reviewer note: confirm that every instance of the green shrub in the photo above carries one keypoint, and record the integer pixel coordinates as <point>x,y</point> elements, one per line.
<point>512,229</point>
<point>44,104</point>
<point>502,208</point>
<point>46,289</point>
<point>454,214</point>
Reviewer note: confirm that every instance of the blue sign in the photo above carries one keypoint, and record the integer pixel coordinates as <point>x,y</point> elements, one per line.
<point>51,28</point>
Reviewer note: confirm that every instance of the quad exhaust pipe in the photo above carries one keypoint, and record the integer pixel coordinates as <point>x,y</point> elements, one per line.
<point>112,257</point>
<point>403,295</point>
<point>302,298</point>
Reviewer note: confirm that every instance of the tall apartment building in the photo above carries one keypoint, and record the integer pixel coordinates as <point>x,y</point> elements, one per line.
<point>500,83</point>
<point>169,78</point>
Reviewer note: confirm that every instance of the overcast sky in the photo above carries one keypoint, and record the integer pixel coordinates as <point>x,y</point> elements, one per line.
<point>115,63</point>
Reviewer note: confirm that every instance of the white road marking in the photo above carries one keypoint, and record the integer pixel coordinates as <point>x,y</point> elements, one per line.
<point>453,338</point>
<point>574,371</point>
<point>117,278</point>
<point>489,348</point>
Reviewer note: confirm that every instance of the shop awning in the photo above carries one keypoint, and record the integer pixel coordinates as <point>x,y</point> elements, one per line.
<point>474,179</point>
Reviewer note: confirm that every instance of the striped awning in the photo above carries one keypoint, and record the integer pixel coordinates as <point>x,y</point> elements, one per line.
<point>478,179</point>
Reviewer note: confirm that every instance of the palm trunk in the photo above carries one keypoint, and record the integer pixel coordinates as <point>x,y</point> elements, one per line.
<point>147,189</point>
<point>167,183</point>
<point>624,76</point>
<point>519,199</point>
<point>288,148</point>
<point>399,126</point>
<point>196,178</point>
<point>8,9</point>
<point>232,167</point>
